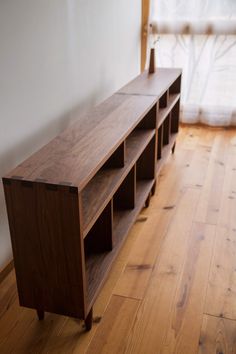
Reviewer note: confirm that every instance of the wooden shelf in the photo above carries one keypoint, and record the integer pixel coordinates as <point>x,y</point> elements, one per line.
<point>152,85</point>
<point>163,112</point>
<point>103,185</point>
<point>75,200</point>
<point>98,264</point>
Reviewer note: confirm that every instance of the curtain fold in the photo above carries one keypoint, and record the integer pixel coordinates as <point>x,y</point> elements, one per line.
<point>200,37</point>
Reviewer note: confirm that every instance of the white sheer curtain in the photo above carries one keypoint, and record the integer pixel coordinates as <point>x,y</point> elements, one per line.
<point>200,37</point>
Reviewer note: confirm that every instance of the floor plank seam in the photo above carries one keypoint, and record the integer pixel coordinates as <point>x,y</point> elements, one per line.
<point>223,317</point>
<point>127,297</point>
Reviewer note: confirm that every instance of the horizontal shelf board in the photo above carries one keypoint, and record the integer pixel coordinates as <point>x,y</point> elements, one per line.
<point>152,84</point>
<point>103,185</point>
<point>98,265</point>
<point>166,150</point>
<point>75,155</point>
<point>163,112</point>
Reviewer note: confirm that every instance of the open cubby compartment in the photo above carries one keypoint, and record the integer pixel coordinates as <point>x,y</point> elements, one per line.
<point>166,130</point>
<point>124,201</point>
<point>98,243</point>
<point>146,173</point>
<point>175,87</point>
<point>163,100</point>
<point>99,238</point>
<point>95,195</point>
<point>105,182</point>
<point>124,198</point>
<point>149,121</point>
<point>146,164</point>
<point>117,159</point>
<point>175,118</point>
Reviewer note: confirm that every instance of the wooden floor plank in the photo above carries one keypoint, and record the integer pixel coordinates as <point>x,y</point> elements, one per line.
<point>116,324</point>
<point>221,299</point>
<point>135,278</point>
<point>191,138</point>
<point>153,316</point>
<point>228,204</point>
<point>210,200</point>
<point>231,135</point>
<point>181,338</point>
<point>217,336</point>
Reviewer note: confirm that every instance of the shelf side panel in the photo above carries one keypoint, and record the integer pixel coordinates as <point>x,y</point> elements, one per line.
<point>47,247</point>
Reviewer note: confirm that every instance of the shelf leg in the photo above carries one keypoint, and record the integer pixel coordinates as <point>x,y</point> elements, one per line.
<point>89,320</point>
<point>173,148</point>
<point>40,314</point>
<point>153,190</point>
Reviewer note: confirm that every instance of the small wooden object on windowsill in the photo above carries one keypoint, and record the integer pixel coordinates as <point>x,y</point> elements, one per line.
<point>152,61</point>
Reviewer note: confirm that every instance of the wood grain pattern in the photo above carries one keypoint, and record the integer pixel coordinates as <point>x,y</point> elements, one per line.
<point>228,203</point>
<point>217,336</point>
<point>153,315</point>
<point>136,275</point>
<point>116,323</point>
<point>221,290</point>
<point>151,84</point>
<point>61,160</point>
<point>210,200</point>
<point>44,256</point>
<point>188,305</point>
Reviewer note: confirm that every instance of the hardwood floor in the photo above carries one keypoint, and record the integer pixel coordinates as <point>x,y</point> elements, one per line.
<point>173,286</point>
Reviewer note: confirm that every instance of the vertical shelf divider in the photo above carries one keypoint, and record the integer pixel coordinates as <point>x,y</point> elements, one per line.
<point>146,164</point>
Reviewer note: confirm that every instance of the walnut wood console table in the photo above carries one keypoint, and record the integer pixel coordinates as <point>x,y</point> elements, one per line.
<point>71,204</point>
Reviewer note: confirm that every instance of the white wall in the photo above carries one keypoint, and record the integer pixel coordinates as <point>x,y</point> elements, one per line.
<point>55,55</point>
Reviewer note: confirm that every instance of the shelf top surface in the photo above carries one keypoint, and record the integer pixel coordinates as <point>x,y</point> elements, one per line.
<point>151,84</point>
<point>75,155</point>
